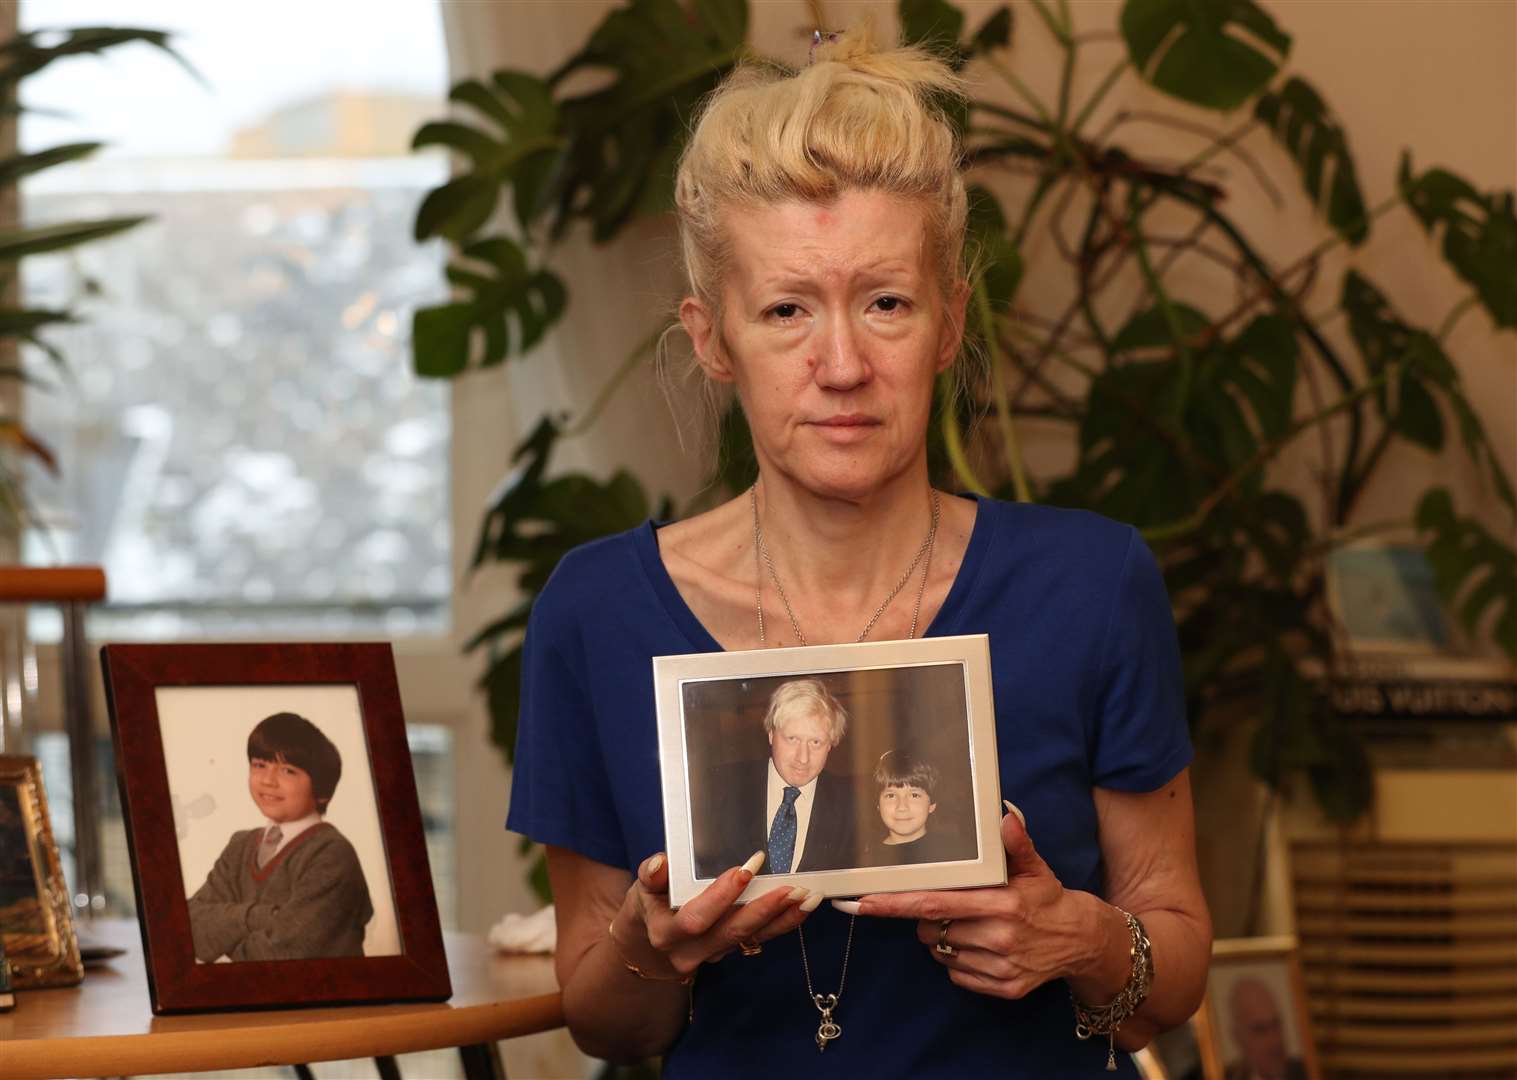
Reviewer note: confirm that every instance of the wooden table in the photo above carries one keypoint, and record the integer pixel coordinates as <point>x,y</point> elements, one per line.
<point>105,1027</point>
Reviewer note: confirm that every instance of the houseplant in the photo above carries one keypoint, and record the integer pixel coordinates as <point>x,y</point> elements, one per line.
<point>1180,408</point>
<point>22,56</point>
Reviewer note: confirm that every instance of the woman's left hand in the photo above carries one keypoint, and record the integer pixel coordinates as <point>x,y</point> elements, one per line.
<point>1005,941</point>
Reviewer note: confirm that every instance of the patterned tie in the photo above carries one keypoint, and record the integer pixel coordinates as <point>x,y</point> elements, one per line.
<point>273,836</point>
<point>782,833</point>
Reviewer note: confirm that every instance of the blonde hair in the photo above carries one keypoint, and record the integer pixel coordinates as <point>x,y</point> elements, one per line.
<point>855,118</point>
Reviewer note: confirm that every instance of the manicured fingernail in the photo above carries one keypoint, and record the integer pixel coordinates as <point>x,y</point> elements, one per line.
<point>1010,809</point>
<point>799,893</point>
<point>654,863</point>
<point>812,902</point>
<point>847,907</point>
<point>755,861</point>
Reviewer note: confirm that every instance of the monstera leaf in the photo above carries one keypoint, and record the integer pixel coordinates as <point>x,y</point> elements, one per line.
<point>533,522</point>
<point>519,153</point>
<point>1215,53</point>
<point>625,139</point>
<point>1300,121</point>
<point>1409,400</point>
<point>1479,233</point>
<point>1474,571</point>
<point>512,307</point>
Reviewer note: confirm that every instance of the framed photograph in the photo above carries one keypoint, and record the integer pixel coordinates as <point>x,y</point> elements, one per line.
<point>36,918</point>
<point>274,830</point>
<point>1385,598</point>
<point>1254,1020</point>
<point>856,768</point>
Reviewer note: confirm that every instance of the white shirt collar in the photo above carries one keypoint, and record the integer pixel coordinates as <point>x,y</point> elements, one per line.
<point>289,830</point>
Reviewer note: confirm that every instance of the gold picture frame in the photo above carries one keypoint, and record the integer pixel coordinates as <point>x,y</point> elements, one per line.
<point>1273,1004</point>
<point>36,918</point>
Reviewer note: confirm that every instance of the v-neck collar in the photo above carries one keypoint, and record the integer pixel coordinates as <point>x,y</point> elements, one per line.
<point>645,541</point>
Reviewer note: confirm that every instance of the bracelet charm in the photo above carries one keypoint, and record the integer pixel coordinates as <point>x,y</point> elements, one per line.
<point>1106,1019</point>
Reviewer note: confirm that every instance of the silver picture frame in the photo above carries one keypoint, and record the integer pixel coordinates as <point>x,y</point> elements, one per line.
<point>926,700</point>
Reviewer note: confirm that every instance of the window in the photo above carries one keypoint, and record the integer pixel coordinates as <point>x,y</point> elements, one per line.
<point>241,443</point>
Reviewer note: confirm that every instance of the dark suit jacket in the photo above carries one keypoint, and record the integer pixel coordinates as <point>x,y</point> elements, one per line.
<point>734,825</point>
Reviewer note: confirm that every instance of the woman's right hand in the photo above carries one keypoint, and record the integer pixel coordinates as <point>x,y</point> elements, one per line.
<point>659,939</point>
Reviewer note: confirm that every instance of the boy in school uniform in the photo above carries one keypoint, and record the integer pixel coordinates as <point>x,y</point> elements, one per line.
<point>293,888</point>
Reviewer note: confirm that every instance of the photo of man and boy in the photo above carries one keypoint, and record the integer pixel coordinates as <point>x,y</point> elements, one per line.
<point>838,783</point>
<point>287,869</point>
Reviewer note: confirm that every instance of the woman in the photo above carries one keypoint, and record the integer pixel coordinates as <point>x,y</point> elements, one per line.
<point>822,219</point>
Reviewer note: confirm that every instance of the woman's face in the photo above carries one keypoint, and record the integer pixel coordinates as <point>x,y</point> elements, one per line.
<point>833,329</point>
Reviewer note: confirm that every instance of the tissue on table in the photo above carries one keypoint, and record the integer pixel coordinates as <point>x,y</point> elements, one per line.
<point>535,933</point>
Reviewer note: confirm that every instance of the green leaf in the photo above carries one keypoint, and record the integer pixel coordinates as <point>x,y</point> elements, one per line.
<point>1475,572</point>
<point>511,307</point>
<point>18,243</point>
<point>26,54</point>
<point>19,165</point>
<point>663,57</point>
<point>518,152</point>
<point>1409,402</point>
<point>994,33</point>
<point>1479,234</point>
<point>1150,329</point>
<point>992,254</point>
<point>1300,121</point>
<point>935,25</point>
<point>1214,53</point>
<point>456,209</point>
<point>532,522</point>
<point>1344,782</point>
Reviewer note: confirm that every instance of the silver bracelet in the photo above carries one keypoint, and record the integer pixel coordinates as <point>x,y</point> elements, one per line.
<point>1106,1019</point>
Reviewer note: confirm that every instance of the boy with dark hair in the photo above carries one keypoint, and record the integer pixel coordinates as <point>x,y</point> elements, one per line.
<point>293,888</point>
<point>904,785</point>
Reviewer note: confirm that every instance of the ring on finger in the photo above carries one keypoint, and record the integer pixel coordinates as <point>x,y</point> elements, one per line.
<point>942,948</point>
<point>750,948</point>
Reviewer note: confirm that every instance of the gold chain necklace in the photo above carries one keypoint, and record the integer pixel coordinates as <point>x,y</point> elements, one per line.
<point>829,1028</point>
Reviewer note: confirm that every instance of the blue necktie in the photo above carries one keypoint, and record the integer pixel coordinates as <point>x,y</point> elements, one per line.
<point>782,833</point>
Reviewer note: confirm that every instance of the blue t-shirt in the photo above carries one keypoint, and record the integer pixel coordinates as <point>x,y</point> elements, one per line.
<point>1088,693</point>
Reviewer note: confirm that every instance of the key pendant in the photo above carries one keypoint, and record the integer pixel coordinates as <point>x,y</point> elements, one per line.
<point>829,1029</point>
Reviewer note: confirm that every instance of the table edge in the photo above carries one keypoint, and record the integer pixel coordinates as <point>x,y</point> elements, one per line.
<point>357,1036</point>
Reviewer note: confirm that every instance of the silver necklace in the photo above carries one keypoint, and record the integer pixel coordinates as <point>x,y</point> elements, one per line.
<point>761,552</point>
<point>829,1028</point>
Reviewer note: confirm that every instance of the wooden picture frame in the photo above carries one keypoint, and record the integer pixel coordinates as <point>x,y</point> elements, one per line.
<point>285,917</point>
<point>1256,995</point>
<point>36,916</point>
<point>905,703</point>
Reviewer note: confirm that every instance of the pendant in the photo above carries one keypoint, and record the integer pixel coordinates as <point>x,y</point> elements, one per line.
<point>829,1028</point>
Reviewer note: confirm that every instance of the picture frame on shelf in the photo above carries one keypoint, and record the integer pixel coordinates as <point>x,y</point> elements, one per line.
<point>885,752</point>
<point>1384,597</point>
<point>273,826</point>
<point>36,915</point>
<point>1254,1019</point>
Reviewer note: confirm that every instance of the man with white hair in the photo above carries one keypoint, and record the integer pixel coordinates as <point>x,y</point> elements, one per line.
<point>1259,1032</point>
<point>787,806</point>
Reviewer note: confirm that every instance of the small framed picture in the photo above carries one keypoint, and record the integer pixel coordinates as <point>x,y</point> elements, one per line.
<point>274,829</point>
<point>1254,1021</point>
<point>855,768</point>
<point>36,921</point>
<point>1385,598</point>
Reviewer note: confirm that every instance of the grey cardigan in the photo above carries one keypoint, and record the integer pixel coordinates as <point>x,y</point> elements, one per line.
<point>310,901</point>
